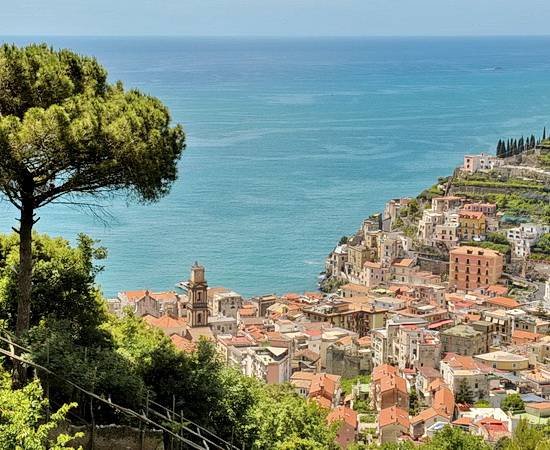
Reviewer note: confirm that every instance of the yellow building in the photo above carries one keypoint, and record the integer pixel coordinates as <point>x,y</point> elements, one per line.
<point>472,224</point>
<point>501,360</point>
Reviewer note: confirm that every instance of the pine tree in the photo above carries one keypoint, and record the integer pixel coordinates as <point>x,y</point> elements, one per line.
<point>464,393</point>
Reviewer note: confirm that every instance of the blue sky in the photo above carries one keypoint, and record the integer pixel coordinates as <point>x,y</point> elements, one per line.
<point>274,17</point>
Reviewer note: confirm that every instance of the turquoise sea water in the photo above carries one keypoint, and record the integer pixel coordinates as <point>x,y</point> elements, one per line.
<point>292,142</point>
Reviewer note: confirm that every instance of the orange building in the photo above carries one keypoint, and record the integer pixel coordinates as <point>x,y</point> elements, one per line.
<point>473,267</point>
<point>388,388</point>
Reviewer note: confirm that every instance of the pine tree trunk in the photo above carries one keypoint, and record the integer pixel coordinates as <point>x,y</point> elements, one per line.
<point>24,282</point>
<point>25,267</point>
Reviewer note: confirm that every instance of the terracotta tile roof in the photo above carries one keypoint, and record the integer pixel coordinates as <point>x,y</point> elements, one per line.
<point>439,323</point>
<point>324,385</point>
<point>183,344</point>
<point>237,341</point>
<point>165,322</point>
<point>497,289</point>
<point>436,384</point>
<point>247,312</point>
<point>471,214</point>
<point>216,290</point>
<point>168,296</point>
<point>526,335</point>
<point>405,262</point>
<point>313,332</point>
<point>460,362</point>
<point>365,341</point>
<point>393,415</point>
<point>373,265</point>
<point>382,371</point>
<point>393,381</point>
<point>475,251</point>
<point>495,428</point>
<point>355,287</point>
<point>503,302</point>
<point>300,375</point>
<point>429,372</point>
<point>425,415</point>
<point>464,421</point>
<point>134,296</point>
<point>444,401</point>
<point>307,354</point>
<point>291,296</point>
<point>345,341</point>
<point>472,317</point>
<point>542,405</point>
<point>345,414</point>
<point>323,402</point>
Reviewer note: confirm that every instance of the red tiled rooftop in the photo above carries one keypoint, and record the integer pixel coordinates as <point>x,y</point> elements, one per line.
<point>497,289</point>
<point>345,414</point>
<point>394,415</point>
<point>165,321</point>
<point>464,421</point>
<point>504,302</point>
<point>526,335</point>
<point>182,344</point>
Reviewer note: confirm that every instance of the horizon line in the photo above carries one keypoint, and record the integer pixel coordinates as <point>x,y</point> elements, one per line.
<point>276,36</point>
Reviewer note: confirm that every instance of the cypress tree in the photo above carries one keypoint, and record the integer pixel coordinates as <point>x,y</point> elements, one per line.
<point>521,145</point>
<point>544,134</point>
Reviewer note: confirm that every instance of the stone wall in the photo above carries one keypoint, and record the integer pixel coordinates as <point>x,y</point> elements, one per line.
<point>109,437</point>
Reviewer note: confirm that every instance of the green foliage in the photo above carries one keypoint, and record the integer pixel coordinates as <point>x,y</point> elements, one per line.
<point>544,159</point>
<point>482,404</point>
<point>543,245</point>
<point>67,133</point>
<point>67,130</point>
<point>348,383</point>
<point>512,402</point>
<point>526,437</point>
<point>451,438</point>
<point>433,191</point>
<point>517,205</point>
<point>508,184</point>
<point>361,406</point>
<point>343,240</point>
<point>22,418</point>
<point>414,404</point>
<point>331,285</point>
<point>503,249</point>
<point>497,237</point>
<point>64,282</point>
<point>464,393</point>
<point>281,420</point>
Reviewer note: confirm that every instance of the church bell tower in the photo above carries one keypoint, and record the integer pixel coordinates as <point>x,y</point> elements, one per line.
<point>197,305</point>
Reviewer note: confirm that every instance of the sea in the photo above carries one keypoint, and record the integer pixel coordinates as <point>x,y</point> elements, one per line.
<point>291,142</point>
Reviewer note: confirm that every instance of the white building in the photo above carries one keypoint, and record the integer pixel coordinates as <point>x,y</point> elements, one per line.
<point>270,364</point>
<point>474,163</point>
<point>524,236</point>
<point>427,226</point>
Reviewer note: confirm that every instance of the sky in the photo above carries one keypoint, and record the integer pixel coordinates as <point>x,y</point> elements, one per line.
<point>274,17</point>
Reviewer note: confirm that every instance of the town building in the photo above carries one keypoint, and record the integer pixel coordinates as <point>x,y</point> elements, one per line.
<point>473,267</point>
<point>481,162</point>
<point>463,340</point>
<point>472,225</point>
<point>270,364</point>
<point>457,369</point>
